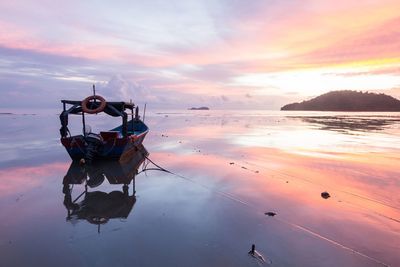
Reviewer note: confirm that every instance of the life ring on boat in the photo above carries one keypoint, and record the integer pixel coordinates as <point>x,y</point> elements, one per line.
<point>87,100</point>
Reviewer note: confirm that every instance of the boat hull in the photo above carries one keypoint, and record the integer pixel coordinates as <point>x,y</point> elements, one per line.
<point>110,149</point>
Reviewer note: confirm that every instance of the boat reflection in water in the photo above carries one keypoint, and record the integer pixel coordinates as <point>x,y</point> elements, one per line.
<point>98,207</point>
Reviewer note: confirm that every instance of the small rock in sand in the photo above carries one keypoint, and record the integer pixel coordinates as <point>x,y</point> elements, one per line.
<point>325,195</point>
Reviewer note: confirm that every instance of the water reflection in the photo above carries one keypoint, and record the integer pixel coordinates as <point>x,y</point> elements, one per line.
<point>345,124</point>
<point>98,207</point>
<point>280,165</point>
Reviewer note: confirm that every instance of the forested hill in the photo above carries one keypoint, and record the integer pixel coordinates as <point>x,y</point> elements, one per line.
<point>348,101</point>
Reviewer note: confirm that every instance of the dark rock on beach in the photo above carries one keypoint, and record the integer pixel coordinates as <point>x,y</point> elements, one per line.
<point>325,195</point>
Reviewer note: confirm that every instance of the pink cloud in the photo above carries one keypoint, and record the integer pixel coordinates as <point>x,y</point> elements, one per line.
<point>262,38</point>
<point>378,43</point>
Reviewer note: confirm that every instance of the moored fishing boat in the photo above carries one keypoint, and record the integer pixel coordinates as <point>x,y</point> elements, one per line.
<point>109,144</point>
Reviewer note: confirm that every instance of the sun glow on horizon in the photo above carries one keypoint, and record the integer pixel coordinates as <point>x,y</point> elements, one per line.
<point>312,82</point>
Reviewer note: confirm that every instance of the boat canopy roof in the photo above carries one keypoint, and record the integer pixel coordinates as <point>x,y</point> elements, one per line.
<point>114,109</point>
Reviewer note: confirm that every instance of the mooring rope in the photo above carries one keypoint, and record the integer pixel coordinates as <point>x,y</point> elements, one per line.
<point>238,200</point>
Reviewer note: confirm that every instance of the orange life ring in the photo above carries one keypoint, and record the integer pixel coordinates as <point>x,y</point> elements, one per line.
<point>100,108</point>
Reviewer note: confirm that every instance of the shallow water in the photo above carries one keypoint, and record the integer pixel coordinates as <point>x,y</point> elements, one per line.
<point>228,169</point>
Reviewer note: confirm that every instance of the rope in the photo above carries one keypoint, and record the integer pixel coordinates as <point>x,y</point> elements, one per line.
<point>238,200</point>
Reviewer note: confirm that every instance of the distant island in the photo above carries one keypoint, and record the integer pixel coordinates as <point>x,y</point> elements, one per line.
<point>348,100</point>
<point>200,108</point>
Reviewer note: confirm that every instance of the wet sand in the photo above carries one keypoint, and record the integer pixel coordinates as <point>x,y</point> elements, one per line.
<point>229,169</point>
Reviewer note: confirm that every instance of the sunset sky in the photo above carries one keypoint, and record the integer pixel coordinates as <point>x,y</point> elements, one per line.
<point>176,54</point>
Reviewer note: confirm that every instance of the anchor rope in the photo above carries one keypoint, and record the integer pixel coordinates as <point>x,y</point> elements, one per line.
<point>252,206</point>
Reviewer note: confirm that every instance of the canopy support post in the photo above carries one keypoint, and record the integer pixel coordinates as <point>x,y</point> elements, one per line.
<point>144,111</point>
<point>84,124</point>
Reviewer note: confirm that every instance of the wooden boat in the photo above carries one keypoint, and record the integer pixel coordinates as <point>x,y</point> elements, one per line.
<point>116,143</point>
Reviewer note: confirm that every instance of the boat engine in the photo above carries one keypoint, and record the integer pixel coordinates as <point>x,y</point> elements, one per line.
<point>93,144</point>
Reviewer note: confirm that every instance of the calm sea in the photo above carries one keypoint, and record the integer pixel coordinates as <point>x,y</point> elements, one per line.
<point>223,170</point>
